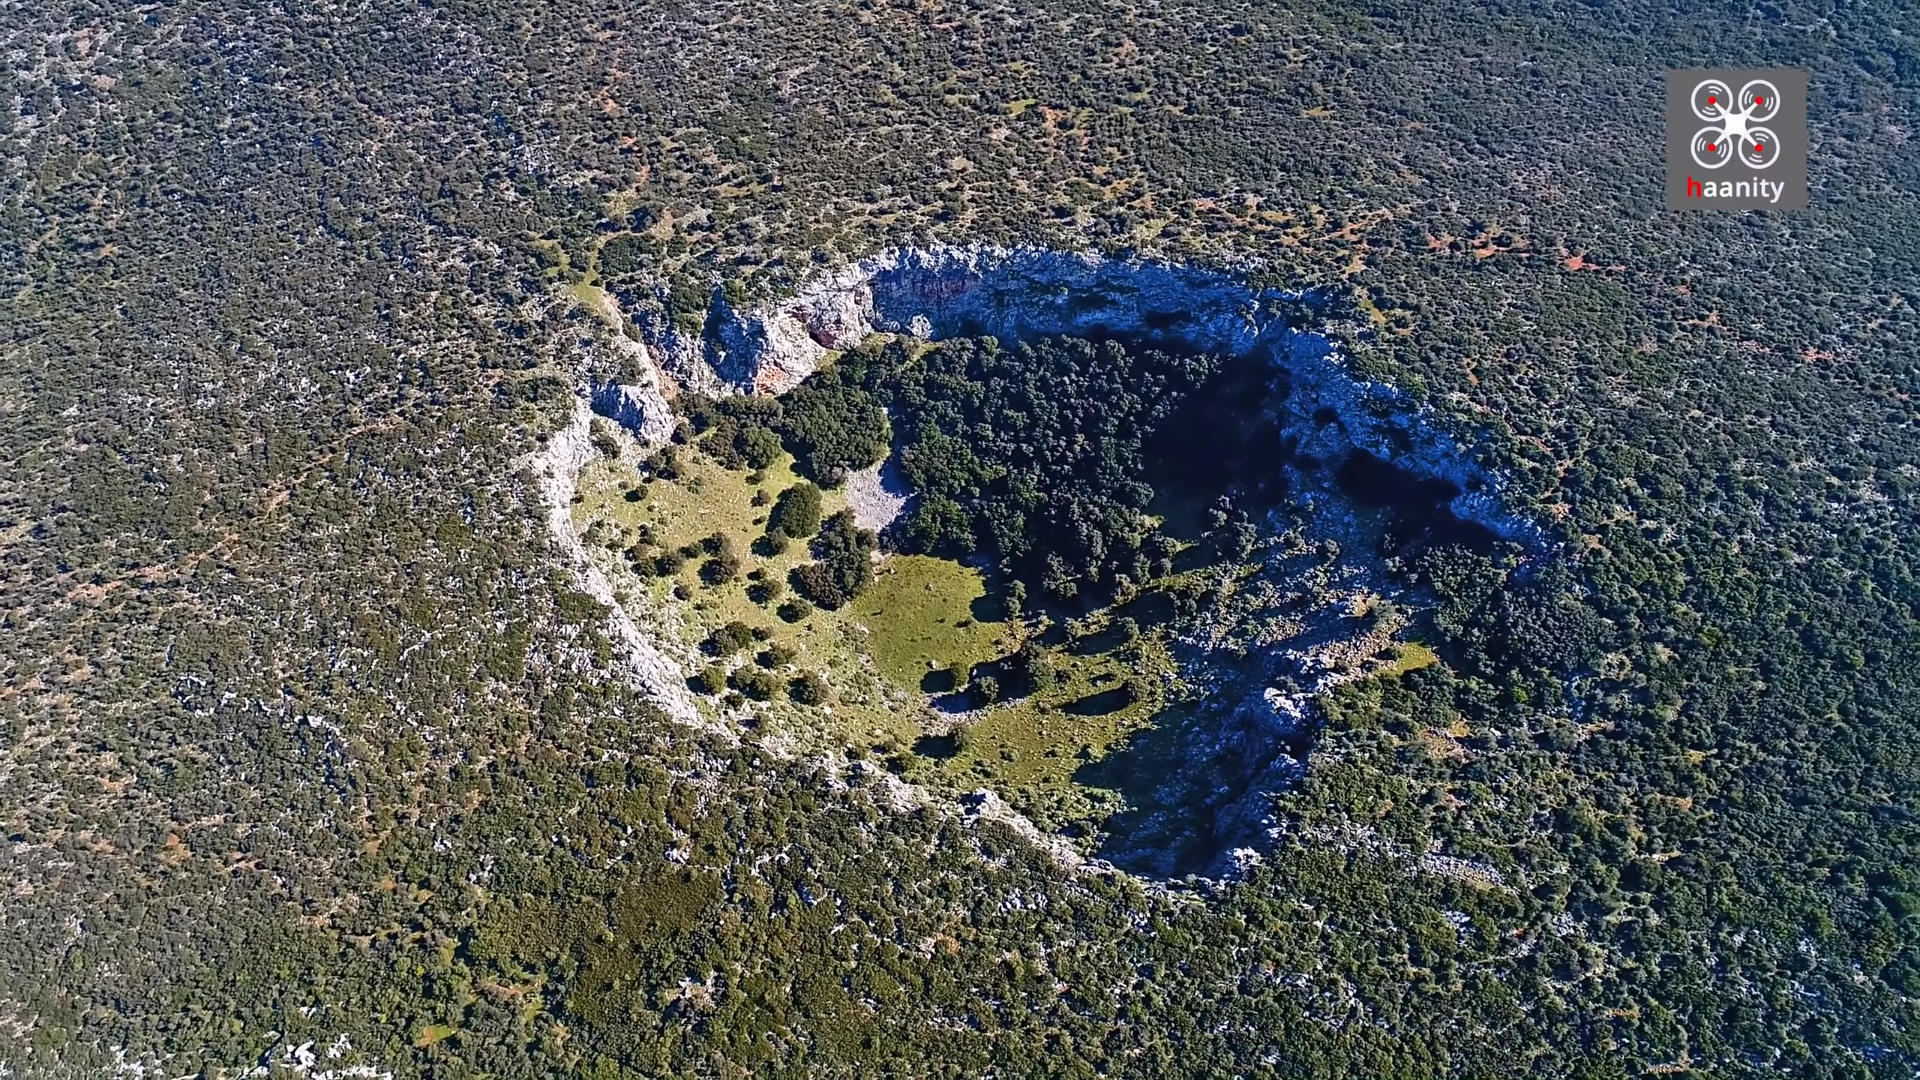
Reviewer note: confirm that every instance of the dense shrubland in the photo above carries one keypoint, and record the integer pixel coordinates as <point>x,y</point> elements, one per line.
<point>305,734</point>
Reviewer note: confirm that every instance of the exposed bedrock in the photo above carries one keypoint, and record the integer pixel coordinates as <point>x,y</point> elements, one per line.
<point>640,408</point>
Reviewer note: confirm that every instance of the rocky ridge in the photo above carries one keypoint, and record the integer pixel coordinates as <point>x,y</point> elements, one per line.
<point>556,468</point>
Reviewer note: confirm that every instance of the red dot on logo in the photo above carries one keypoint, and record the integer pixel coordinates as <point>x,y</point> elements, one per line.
<point>1709,148</point>
<point>1758,149</point>
<point>1713,99</point>
<point>1759,101</point>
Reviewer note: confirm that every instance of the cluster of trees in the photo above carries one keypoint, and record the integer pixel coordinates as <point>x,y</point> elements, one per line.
<point>736,431</point>
<point>796,512</point>
<point>1049,472</point>
<point>842,566</point>
<point>1036,454</point>
<point>833,427</point>
<point>761,680</point>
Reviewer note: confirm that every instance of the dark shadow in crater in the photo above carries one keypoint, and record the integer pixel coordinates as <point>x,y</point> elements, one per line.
<point>1089,303</point>
<point>1161,322</point>
<point>1107,640</point>
<point>1418,503</point>
<point>1369,481</point>
<point>1194,788</point>
<point>991,606</point>
<point>937,747</point>
<point>1221,440</point>
<point>1104,703</point>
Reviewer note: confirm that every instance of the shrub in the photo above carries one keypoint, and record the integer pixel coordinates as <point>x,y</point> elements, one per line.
<point>983,691</point>
<point>1032,665</point>
<point>815,582</point>
<point>843,567</point>
<point>666,465</point>
<point>797,512</point>
<point>794,610</point>
<point>756,684</point>
<point>604,442</point>
<point>760,447</point>
<point>720,569</point>
<point>729,639</point>
<point>711,679</point>
<point>809,689</point>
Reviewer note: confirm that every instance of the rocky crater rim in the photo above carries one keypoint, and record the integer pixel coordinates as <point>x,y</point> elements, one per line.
<point>1015,294</point>
<point>1341,441</point>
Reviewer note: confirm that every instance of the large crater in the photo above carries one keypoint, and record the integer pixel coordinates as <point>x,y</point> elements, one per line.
<point>1199,788</point>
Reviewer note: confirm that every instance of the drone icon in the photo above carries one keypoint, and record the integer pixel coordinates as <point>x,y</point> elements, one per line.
<point>1738,124</point>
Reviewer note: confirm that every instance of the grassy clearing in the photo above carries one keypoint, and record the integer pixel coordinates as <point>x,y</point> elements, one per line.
<point>1408,656</point>
<point>1041,751</point>
<point>924,611</point>
<point>709,499</point>
<point>1040,739</point>
<point>876,651</point>
<point>1034,750</point>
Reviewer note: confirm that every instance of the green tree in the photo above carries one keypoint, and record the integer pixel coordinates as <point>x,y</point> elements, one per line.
<point>796,512</point>
<point>809,689</point>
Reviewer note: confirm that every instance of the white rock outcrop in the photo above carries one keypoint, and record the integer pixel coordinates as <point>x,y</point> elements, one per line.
<point>557,470</point>
<point>640,408</point>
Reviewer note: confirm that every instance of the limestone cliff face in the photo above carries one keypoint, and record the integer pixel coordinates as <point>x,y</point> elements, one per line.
<point>1013,293</point>
<point>640,408</point>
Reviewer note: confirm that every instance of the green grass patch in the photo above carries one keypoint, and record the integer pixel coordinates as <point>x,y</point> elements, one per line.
<point>708,499</point>
<point>1409,656</point>
<point>923,610</point>
<point>1033,749</point>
